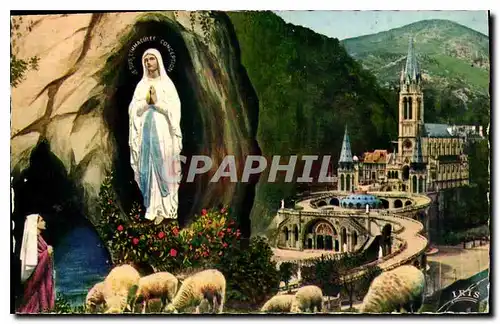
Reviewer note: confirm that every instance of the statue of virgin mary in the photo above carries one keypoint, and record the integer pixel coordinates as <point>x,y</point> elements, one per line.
<point>155,138</point>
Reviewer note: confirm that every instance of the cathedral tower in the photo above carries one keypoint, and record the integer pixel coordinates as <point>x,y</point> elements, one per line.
<point>346,170</point>
<point>411,106</point>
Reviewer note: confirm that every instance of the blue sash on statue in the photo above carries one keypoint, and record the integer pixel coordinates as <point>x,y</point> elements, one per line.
<point>151,159</point>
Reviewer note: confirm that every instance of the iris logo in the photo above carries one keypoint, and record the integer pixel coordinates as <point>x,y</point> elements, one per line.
<point>466,295</point>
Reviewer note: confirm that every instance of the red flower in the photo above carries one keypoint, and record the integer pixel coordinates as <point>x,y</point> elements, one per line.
<point>223,210</point>
<point>135,241</point>
<point>203,211</point>
<point>224,245</point>
<point>205,254</point>
<point>175,231</point>
<point>137,216</point>
<point>119,228</point>
<point>161,235</point>
<point>173,252</point>
<point>229,230</point>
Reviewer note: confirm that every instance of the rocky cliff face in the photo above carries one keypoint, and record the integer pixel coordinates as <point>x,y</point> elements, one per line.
<point>72,113</point>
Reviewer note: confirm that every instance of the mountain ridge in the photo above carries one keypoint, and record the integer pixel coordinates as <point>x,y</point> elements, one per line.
<point>416,23</point>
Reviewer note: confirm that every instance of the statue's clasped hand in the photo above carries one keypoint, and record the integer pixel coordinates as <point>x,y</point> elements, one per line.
<point>151,97</point>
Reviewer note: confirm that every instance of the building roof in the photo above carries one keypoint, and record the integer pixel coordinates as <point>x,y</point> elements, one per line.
<point>377,156</point>
<point>359,201</point>
<point>346,154</point>
<point>438,130</point>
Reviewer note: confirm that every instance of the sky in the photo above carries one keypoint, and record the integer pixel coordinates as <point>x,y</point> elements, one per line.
<point>347,24</point>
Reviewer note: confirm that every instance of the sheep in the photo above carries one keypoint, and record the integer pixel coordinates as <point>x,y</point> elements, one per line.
<point>161,285</point>
<point>95,296</point>
<point>307,297</point>
<point>208,284</point>
<point>278,304</point>
<point>118,286</point>
<point>402,287</point>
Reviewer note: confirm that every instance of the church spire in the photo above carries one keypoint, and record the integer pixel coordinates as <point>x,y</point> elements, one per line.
<point>412,70</point>
<point>346,154</point>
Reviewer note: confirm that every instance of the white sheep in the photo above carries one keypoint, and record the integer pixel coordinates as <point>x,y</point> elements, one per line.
<point>307,298</point>
<point>402,287</point>
<point>278,304</point>
<point>118,285</point>
<point>161,285</point>
<point>95,296</point>
<point>207,284</point>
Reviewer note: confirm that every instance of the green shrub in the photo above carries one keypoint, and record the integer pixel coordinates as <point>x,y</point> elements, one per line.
<point>250,273</point>
<point>62,306</point>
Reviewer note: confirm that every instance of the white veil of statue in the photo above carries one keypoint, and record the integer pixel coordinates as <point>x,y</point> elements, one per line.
<point>155,141</point>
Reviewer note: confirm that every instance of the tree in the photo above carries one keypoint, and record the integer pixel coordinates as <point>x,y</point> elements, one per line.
<point>348,263</point>
<point>286,272</point>
<point>363,283</point>
<point>19,66</point>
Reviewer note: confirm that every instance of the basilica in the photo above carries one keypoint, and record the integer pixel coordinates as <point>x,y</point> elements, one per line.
<point>429,157</point>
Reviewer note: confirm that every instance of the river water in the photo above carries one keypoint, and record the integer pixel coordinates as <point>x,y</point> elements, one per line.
<point>80,261</point>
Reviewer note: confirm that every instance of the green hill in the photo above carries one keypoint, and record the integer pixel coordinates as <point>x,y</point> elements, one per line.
<point>447,52</point>
<point>454,61</point>
<point>308,88</point>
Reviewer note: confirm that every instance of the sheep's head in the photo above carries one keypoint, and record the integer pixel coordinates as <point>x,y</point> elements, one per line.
<point>171,309</point>
<point>295,308</point>
<point>113,310</point>
<point>90,305</point>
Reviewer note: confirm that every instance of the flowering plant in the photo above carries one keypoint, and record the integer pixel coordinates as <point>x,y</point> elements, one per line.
<point>166,247</point>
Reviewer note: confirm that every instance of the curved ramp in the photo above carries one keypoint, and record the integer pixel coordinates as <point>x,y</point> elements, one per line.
<point>414,244</point>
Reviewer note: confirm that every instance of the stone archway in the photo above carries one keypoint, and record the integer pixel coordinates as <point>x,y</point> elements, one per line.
<point>343,240</point>
<point>286,234</point>
<point>385,203</point>
<point>398,203</point>
<point>321,234</point>
<point>406,173</point>
<point>328,243</point>
<point>387,239</point>
<point>334,201</point>
<point>321,203</point>
<point>354,240</point>
<point>408,203</point>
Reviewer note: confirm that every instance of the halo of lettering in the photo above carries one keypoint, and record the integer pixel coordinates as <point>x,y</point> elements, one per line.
<point>131,54</point>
